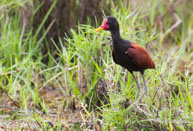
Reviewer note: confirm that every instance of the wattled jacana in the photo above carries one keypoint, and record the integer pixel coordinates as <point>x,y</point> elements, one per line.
<point>128,54</point>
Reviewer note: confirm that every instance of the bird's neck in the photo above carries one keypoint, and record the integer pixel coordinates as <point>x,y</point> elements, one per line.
<point>115,34</point>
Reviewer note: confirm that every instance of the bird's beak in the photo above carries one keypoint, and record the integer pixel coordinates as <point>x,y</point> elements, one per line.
<point>99,29</point>
<point>104,26</point>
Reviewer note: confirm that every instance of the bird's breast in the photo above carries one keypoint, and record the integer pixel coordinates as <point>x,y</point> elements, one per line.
<point>121,57</point>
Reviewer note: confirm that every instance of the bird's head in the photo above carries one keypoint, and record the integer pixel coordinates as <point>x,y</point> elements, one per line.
<point>110,23</point>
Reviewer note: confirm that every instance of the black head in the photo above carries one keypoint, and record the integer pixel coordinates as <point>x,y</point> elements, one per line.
<point>110,23</point>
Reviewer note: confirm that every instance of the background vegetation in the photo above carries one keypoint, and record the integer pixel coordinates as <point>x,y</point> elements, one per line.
<point>56,73</point>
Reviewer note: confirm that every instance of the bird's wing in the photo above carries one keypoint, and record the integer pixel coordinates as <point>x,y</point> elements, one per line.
<point>140,56</point>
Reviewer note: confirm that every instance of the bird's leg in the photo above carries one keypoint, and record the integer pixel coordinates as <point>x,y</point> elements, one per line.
<point>138,87</point>
<point>144,89</point>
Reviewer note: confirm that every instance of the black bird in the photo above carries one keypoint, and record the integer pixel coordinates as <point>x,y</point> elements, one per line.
<point>128,54</point>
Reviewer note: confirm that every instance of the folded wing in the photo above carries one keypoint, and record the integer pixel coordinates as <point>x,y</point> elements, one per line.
<point>140,56</point>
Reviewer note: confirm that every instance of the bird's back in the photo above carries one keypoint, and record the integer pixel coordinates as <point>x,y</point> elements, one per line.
<point>131,56</point>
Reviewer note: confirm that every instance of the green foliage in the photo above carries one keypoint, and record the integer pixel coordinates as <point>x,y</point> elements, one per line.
<point>45,93</point>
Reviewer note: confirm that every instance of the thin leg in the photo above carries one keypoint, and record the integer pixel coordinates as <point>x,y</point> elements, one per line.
<point>138,87</point>
<point>144,89</point>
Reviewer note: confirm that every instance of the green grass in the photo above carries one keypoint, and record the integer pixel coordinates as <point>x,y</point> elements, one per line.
<point>46,93</point>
